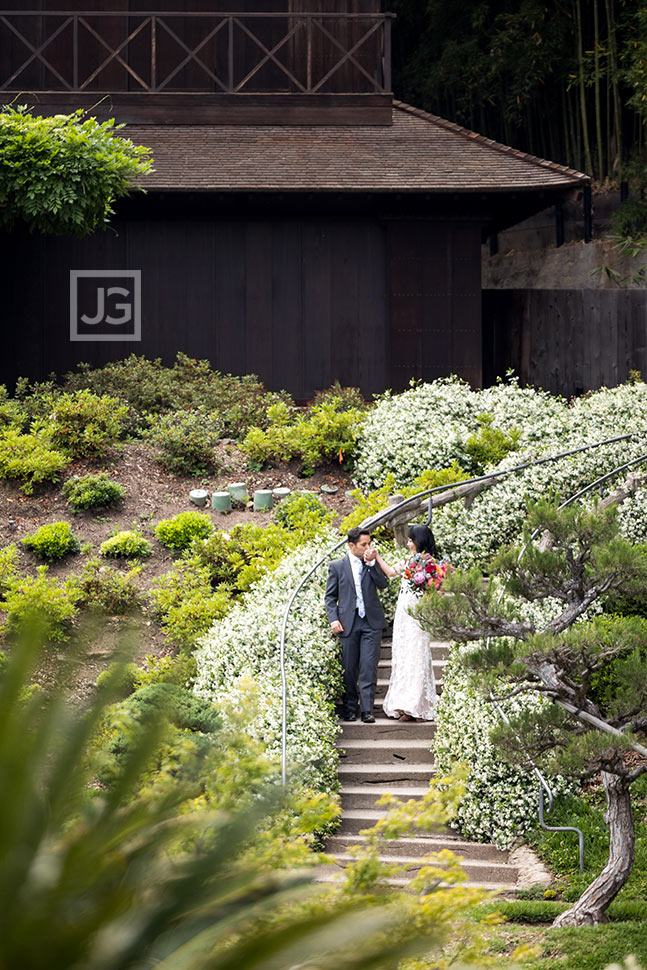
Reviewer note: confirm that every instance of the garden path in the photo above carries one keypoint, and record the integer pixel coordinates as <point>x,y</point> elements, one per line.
<point>397,758</point>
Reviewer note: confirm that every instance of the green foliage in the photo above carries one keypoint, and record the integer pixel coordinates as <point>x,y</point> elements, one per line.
<point>343,398</point>
<point>8,567</point>
<point>142,874</point>
<point>186,603</point>
<point>119,678</point>
<point>489,445</point>
<point>150,388</point>
<point>179,532</point>
<point>186,440</point>
<point>327,432</point>
<point>83,425</point>
<point>166,669</point>
<point>243,555</point>
<point>304,514</point>
<point>559,850</point>
<point>127,544</point>
<point>12,413</point>
<point>181,707</point>
<point>369,505</point>
<point>40,602</point>
<point>61,174</point>
<point>29,458</point>
<point>92,491</point>
<point>53,541</point>
<point>101,587</point>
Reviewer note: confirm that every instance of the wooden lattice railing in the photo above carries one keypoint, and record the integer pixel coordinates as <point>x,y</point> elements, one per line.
<point>228,53</point>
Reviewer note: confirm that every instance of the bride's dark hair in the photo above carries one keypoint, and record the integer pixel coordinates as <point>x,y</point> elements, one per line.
<point>423,539</point>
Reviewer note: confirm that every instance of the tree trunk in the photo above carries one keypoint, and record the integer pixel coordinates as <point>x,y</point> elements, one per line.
<point>592,905</point>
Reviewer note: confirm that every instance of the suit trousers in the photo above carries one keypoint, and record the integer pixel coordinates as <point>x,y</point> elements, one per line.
<point>359,655</point>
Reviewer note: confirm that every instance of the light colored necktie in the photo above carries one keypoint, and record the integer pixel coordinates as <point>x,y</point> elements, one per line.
<point>358,587</point>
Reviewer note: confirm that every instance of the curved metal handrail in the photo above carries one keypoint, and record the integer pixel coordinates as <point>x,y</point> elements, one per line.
<point>389,513</point>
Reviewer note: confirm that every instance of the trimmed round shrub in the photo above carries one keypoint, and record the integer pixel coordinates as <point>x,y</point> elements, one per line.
<point>186,440</point>
<point>127,544</point>
<point>303,513</point>
<point>52,542</point>
<point>92,491</point>
<point>179,532</point>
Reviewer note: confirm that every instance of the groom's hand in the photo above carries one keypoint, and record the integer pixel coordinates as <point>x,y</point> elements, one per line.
<point>370,555</point>
<point>336,627</point>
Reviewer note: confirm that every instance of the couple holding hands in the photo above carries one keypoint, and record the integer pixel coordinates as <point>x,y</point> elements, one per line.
<point>356,616</point>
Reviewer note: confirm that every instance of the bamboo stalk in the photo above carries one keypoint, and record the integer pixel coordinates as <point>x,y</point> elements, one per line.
<point>588,163</point>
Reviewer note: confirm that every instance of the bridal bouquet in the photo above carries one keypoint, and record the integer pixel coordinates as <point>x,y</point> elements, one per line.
<point>422,573</point>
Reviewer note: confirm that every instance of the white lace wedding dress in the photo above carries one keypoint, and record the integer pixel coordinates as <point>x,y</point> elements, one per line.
<point>412,688</point>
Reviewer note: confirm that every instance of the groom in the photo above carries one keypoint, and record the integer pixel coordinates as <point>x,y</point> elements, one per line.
<point>355,614</point>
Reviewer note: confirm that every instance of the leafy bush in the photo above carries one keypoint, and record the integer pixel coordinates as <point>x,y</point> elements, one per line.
<point>238,558</point>
<point>186,603</point>
<point>489,445</point>
<point>39,603</point>
<point>84,425</point>
<point>327,432</point>
<point>150,388</point>
<point>344,398</point>
<point>8,567</point>
<point>127,544</point>
<point>52,542</point>
<point>12,413</point>
<point>91,491</point>
<point>29,458</point>
<point>106,588</point>
<point>166,670</point>
<point>181,707</point>
<point>377,500</point>
<point>186,440</point>
<point>121,678</point>
<point>304,514</point>
<point>180,531</point>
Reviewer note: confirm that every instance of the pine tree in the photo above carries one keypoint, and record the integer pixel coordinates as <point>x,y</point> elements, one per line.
<point>593,670</point>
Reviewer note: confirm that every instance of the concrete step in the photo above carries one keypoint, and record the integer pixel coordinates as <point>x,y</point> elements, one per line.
<point>385,751</point>
<point>385,727</point>
<point>423,846</point>
<point>476,870</point>
<point>366,796</point>
<point>398,773</point>
<point>333,873</point>
<point>356,820</point>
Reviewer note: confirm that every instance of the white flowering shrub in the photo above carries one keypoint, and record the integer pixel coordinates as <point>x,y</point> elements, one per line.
<point>243,647</point>
<point>632,517</point>
<point>427,427</point>
<point>500,801</point>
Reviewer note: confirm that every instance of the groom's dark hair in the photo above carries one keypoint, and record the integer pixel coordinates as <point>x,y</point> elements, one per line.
<point>356,532</point>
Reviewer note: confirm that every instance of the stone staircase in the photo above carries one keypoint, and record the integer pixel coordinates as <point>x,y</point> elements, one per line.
<point>395,757</point>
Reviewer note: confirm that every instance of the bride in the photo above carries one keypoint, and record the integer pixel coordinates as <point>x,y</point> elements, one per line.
<point>412,689</point>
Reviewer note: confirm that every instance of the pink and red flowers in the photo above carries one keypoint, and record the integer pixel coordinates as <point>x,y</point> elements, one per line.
<point>423,573</point>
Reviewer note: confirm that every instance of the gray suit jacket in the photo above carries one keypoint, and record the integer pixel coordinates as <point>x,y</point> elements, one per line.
<point>341,596</point>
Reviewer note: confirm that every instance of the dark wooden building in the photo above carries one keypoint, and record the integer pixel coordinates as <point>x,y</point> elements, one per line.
<point>300,224</point>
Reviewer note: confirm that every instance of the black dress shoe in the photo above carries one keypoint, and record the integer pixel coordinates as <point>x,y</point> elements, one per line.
<point>367,717</point>
<point>350,716</point>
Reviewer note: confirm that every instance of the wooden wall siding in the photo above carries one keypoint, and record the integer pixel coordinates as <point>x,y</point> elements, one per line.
<point>435,301</point>
<point>301,304</point>
<point>566,341</point>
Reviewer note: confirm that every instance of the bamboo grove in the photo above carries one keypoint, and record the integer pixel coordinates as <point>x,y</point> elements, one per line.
<point>561,80</point>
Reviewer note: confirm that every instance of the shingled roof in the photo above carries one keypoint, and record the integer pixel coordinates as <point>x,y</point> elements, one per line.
<point>419,152</point>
